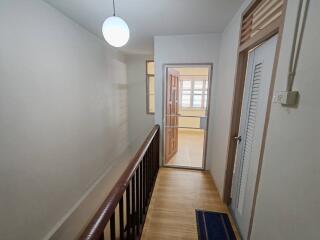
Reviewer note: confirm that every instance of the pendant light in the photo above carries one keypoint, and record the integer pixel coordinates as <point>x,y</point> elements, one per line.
<point>115,30</point>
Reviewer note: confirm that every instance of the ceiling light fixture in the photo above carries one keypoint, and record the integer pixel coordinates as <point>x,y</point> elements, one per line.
<point>115,30</point>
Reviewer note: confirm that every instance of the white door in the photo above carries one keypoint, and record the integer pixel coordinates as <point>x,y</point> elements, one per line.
<point>254,106</point>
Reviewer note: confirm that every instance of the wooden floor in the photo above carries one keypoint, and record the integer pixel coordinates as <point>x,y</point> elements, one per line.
<point>177,194</point>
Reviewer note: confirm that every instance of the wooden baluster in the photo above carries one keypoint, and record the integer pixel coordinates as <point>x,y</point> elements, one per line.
<point>133,199</point>
<point>144,183</point>
<point>142,188</point>
<point>112,227</point>
<point>158,147</point>
<point>149,170</point>
<point>121,219</point>
<point>152,162</point>
<point>147,177</point>
<point>141,196</point>
<point>101,236</point>
<point>138,199</point>
<point>154,156</point>
<point>128,226</point>
<point>150,153</point>
<point>155,153</point>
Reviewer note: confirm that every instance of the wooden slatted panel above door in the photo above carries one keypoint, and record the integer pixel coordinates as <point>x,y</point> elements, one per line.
<point>259,16</point>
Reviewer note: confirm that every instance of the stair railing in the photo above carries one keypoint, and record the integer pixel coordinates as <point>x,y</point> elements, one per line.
<point>123,212</point>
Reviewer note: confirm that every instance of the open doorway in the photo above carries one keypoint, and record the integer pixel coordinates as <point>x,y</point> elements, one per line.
<point>186,111</point>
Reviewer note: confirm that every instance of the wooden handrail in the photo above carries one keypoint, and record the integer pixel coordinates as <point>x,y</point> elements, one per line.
<point>146,160</point>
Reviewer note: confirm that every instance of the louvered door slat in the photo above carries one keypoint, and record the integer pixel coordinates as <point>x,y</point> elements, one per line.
<point>250,128</point>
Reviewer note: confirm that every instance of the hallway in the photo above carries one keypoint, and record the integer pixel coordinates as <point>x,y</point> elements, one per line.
<point>177,194</point>
<point>121,125</point>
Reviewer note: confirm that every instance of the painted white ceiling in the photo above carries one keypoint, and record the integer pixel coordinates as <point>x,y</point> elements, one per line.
<point>149,18</point>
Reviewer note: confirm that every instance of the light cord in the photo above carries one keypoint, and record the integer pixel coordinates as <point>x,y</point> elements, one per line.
<point>114,9</point>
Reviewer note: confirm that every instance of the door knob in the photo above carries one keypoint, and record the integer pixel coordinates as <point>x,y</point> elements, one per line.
<point>238,138</point>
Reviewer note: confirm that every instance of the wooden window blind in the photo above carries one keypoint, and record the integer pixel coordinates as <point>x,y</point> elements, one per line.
<point>259,16</point>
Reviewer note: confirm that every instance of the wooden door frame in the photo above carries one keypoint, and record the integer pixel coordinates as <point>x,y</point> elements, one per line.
<point>275,27</point>
<point>165,66</point>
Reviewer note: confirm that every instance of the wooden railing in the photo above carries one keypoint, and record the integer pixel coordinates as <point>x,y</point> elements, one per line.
<point>124,211</point>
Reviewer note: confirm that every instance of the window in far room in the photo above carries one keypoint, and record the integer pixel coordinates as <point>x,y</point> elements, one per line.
<point>194,93</point>
<point>150,86</point>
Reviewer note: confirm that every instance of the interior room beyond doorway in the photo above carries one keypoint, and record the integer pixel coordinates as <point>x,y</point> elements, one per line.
<point>186,111</point>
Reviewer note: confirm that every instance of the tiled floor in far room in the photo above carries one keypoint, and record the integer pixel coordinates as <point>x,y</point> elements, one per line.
<point>190,148</point>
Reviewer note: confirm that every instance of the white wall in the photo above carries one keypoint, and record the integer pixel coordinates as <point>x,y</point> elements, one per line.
<point>140,122</point>
<point>288,204</point>
<point>203,48</point>
<point>63,116</point>
<point>222,102</point>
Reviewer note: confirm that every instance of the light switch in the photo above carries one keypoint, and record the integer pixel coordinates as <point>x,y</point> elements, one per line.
<point>286,98</point>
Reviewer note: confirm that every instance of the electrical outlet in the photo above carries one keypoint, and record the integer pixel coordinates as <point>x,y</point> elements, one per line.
<point>286,98</point>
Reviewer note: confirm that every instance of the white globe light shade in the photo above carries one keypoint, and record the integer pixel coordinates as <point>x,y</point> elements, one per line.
<point>115,31</point>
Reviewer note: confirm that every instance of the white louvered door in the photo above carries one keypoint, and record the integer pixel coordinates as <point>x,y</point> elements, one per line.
<point>254,106</point>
